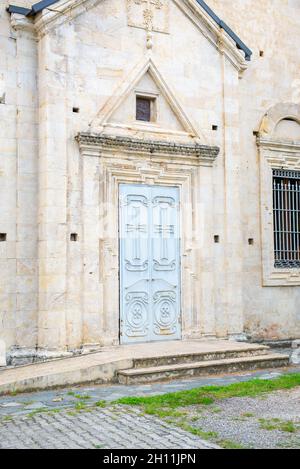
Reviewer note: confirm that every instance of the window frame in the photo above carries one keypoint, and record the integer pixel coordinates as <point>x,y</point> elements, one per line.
<point>153,98</point>
<point>274,155</point>
<point>150,104</point>
<point>286,218</point>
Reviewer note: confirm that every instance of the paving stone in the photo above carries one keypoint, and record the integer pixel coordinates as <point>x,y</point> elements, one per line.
<point>114,431</point>
<point>11,404</point>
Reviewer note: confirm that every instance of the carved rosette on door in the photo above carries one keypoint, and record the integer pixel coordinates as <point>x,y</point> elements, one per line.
<point>149,263</point>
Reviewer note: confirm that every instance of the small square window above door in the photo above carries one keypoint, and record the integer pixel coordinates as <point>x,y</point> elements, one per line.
<point>145,109</point>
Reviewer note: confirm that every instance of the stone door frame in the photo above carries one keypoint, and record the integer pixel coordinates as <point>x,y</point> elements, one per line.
<point>120,160</point>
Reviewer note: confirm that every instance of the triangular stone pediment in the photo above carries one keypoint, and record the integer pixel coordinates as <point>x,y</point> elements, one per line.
<point>119,112</point>
<point>165,118</point>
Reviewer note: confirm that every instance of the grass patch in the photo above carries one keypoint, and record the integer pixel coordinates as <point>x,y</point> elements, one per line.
<point>13,393</point>
<point>194,419</point>
<point>172,400</point>
<point>100,404</point>
<point>7,418</point>
<point>209,394</point>
<point>277,424</point>
<point>82,397</point>
<point>247,415</point>
<point>80,406</point>
<point>42,410</point>
<point>216,410</point>
<point>288,427</point>
<point>197,431</point>
<point>227,444</point>
<point>163,412</point>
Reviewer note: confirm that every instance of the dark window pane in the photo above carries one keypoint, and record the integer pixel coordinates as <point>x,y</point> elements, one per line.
<point>143,109</point>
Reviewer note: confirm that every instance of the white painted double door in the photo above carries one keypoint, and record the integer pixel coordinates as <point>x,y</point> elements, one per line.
<point>149,263</point>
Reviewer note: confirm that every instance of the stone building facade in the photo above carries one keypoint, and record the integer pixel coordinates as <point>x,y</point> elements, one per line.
<point>118,113</point>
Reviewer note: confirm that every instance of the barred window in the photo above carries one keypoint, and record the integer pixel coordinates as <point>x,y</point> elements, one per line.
<point>286,208</point>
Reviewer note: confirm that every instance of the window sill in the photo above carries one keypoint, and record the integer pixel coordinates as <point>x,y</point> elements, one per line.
<point>282,277</point>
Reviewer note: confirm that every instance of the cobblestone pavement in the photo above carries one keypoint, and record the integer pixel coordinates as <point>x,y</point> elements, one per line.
<point>110,428</point>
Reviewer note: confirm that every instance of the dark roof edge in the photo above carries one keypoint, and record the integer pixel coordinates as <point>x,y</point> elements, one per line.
<point>19,10</point>
<point>37,7</point>
<point>239,43</point>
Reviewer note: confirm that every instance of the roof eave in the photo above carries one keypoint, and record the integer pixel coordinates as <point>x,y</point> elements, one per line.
<point>18,10</point>
<point>239,43</point>
<point>36,8</point>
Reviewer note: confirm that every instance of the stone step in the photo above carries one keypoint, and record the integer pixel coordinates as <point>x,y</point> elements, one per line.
<point>181,370</point>
<point>180,358</point>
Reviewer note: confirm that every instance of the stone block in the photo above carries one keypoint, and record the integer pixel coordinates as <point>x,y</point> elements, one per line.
<point>295,355</point>
<point>2,353</point>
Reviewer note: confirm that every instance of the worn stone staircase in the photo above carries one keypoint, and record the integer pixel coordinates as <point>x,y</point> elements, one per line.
<point>142,363</point>
<point>159,368</point>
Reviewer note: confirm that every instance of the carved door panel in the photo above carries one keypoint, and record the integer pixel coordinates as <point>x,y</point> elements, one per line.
<point>149,263</point>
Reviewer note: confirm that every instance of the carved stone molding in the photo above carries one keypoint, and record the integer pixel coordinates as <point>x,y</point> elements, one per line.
<point>273,116</point>
<point>281,154</point>
<point>152,15</point>
<point>194,154</point>
<point>22,23</point>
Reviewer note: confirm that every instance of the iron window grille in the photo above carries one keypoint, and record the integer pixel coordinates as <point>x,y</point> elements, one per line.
<point>286,215</point>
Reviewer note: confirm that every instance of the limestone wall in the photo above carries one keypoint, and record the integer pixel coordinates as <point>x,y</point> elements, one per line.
<point>18,184</point>
<point>53,290</point>
<point>271,26</point>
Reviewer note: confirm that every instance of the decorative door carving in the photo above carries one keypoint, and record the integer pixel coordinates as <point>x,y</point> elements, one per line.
<point>149,263</point>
